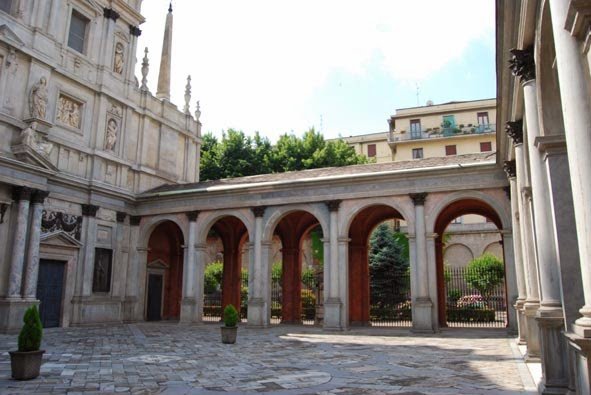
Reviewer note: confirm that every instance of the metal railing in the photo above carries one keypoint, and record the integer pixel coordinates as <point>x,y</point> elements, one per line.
<point>440,132</point>
<point>390,304</point>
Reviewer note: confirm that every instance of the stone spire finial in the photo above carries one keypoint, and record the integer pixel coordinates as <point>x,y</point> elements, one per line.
<point>163,90</point>
<point>145,70</point>
<point>197,111</point>
<point>188,95</point>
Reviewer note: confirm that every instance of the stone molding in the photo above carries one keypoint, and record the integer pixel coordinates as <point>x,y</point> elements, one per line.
<point>514,129</point>
<point>259,212</point>
<point>522,63</point>
<point>22,193</point>
<point>3,208</point>
<point>110,13</point>
<point>510,168</point>
<point>39,197</point>
<point>134,220</point>
<point>418,199</point>
<point>121,215</point>
<point>192,215</point>
<point>333,205</point>
<point>89,210</point>
<point>135,31</point>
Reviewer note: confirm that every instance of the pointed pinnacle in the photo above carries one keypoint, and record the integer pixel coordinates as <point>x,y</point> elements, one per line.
<point>170,7</point>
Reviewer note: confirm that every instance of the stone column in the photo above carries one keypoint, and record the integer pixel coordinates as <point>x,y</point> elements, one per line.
<point>333,304</point>
<point>421,303</point>
<point>258,302</point>
<point>22,195</point>
<point>200,259</point>
<point>550,315</point>
<point>510,169</point>
<point>89,212</point>
<point>188,303</point>
<point>111,17</point>
<point>121,256</point>
<point>32,261</point>
<point>54,19</point>
<point>130,306</point>
<point>532,301</point>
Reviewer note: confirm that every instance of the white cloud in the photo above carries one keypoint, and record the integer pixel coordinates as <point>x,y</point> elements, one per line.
<point>254,64</point>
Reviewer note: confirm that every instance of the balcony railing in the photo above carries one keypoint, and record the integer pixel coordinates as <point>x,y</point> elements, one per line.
<point>433,133</point>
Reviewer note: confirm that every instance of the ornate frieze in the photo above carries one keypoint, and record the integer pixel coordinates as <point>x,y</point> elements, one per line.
<point>522,63</point>
<point>418,198</point>
<point>69,111</point>
<point>514,129</point>
<point>53,221</point>
<point>509,167</point>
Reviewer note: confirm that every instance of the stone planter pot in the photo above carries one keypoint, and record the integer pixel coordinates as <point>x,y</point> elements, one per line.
<point>25,365</point>
<point>229,334</point>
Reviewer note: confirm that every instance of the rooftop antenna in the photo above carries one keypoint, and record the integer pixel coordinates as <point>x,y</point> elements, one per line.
<point>418,90</point>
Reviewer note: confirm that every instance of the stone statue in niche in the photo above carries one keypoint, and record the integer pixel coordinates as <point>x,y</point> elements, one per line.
<point>112,128</point>
<point>68,112</point>
<point>119,59</point>
<point>31,138</point>
<point>38,99</point>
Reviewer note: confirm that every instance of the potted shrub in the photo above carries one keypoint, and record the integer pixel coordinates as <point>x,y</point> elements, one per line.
<point>229,330</point>
<point>26,362</point>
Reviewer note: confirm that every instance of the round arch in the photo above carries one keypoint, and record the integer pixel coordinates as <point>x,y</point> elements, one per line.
<point>207,219</point>
<point>460,250</point>
<point>277,213</point>
<point>148,224</point>
<point>350,209</point>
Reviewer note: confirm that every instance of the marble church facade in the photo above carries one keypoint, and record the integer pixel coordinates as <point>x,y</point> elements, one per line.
<point>100,196</point>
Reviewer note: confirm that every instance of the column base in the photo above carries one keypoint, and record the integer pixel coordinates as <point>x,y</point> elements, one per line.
<point>332,314</point>
<point>550,321</point>
<point>257,315</point>
<point>521,322</point>
<point>581,348</point>
<point>530,309</point>
<point>190,312</point>
<point>12,312</point>
<point>422,316</point>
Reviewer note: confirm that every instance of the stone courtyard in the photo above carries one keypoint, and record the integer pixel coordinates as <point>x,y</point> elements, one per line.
<point>167,358</point>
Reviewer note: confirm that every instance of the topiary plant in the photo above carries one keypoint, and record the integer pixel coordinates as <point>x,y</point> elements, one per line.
<point>29,339</point>
<point>485,273</point>
<point>230,316</point>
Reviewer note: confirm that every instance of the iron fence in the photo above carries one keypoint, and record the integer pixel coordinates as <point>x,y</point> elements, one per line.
<point>475,298</point>
<point>212,302</point>
<point>390,300</point>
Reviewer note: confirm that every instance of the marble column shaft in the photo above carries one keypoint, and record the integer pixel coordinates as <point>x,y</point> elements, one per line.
<point>15,276</point>
<point>32,261</point>
<point>334,262</point>
<point>573,77</point>
<point>89,213</point>
<point>421,252</point>
<point>189,286</point>
<point>519,262</point>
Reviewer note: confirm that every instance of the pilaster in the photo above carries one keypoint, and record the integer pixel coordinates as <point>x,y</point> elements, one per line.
<point>333,305</point>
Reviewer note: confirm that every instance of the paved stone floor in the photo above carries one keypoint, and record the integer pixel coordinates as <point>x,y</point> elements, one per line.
<point>168,358</point>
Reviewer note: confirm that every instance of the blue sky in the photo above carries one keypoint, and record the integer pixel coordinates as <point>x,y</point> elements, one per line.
<point>276,66</point>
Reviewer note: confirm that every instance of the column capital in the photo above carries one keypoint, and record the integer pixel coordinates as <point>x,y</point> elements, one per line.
<point>514,129</point>
<point>135,31</point>
<point>192,215</point>
<point>333,205</point>
<point>121,215</point>
<point>522,63</point>
<point>510,169</point>
<point>21,193</point>
<point>110,13</point>
<point>134,220</point>
<point>418,198</point>
<point>259,211</point>
<point>89,210</point>
<point>39,196</point>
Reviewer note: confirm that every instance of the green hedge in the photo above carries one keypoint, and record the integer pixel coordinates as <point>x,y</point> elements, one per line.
<point>470,315</point>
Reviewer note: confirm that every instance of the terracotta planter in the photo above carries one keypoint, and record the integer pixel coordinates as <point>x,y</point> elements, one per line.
<point>25,364</point>
<point>229,334</point>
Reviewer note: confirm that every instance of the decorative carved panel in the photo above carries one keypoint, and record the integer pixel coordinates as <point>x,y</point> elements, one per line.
<point>69,111</point>
<point>53,221</point>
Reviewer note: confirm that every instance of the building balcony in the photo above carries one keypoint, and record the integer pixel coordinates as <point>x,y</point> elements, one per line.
<point>435,133</point>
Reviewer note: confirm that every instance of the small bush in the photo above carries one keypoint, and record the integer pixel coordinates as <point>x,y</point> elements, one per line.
<point>485,273</point>
<point>469,314</point>
<point>29,339</point>
<point>453,295</point>
<point>213,277</point>
<point>230,316</point>
<point>308,303</point>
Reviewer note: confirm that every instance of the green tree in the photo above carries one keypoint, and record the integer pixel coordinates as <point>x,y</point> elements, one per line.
<point>213,277</point>
<point>485,273</point>
<point>387,268</point>
<point>29,338</point>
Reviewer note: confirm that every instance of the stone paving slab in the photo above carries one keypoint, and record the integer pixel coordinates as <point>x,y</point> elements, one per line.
<point>168,358</point>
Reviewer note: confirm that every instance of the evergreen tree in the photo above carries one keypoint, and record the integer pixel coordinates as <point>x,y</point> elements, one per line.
<point>387,268</point>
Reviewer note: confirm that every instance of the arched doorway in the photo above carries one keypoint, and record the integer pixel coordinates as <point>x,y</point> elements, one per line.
<point>300,291</point>
<point>226,279</point>
<point>164,275</point>
<point>461,303</point>
<point>392,306</point>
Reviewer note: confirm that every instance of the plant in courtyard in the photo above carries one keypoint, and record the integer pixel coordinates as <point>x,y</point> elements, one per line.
<point>453,294</point>
<point>308,303</point>
<point>29,338</point>
<point>387,265</point>
<point>277,272</point>
<point>485,273</point>
<point>213,277</point>
<point>230,316</point>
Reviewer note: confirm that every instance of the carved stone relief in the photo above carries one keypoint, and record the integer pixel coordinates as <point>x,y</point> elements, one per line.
<point>53,221</point>
<point>119,59</point>
<point>69,112</point>
<point>114,115</point>
<point>30,137</point>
